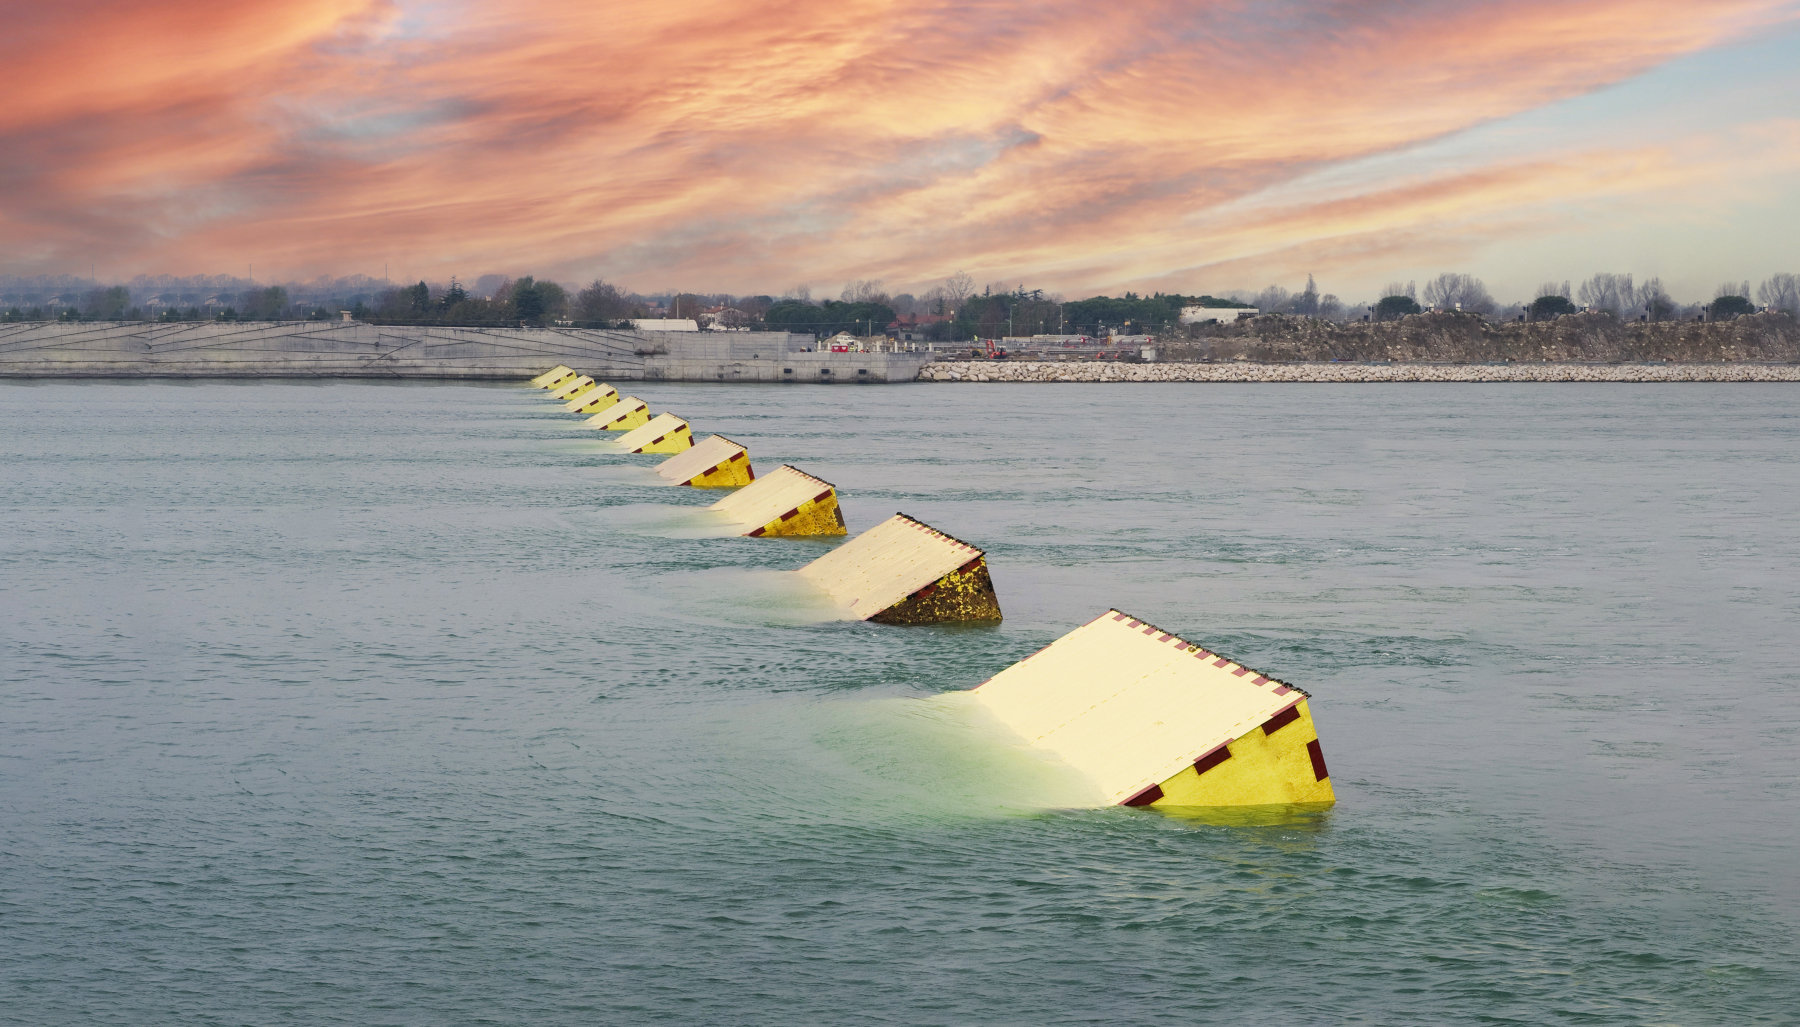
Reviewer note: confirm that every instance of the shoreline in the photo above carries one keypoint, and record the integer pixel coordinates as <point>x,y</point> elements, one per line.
<point>1031,372</point>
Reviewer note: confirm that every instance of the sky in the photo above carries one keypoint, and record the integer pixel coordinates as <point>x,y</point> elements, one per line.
<point>745,146</point>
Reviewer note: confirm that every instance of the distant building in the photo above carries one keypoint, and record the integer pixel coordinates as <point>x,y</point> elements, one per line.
<point>666,324</point>
<point>1198,315</point>
<point>725,319</point>
<point>914,327</point>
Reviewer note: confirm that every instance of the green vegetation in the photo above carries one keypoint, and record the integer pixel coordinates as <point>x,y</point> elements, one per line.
<point>1394,307</point>
<point>524,301</point>
<point>1133,314</point>
<point>829,318</point>
<point>107,304</point>
<point>953,310</point>
<point>1725,308</point>
<point>269,304</point>
<point>1546,307</point>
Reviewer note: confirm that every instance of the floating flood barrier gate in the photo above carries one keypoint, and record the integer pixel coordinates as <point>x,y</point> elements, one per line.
<point>553,377</point>
<point>577,384</point>
<point>628,413</point>
<point>664,433</point>
<point>715,462</point>
<point>786,502</point>
<point>905,572</point>
<point>1155,720</point>
<point>593,400</point>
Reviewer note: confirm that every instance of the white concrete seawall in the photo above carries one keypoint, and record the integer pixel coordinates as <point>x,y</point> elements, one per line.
<point>338,349</point>
<point>1099,371</point>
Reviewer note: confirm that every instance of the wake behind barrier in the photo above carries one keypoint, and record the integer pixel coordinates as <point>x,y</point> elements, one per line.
<point>715,462</point>
<point>664,433</point>
<point>786,502</point>
<point>592,400</point>
<point>903,571</point>
<point>1158,721</point>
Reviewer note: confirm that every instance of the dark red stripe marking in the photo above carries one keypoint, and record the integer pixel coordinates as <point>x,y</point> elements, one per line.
<point>1221,662</point>
<point>758,532</point>
<point>1282,719</point>
<point>1145,797</point>
<point>1212,759</point>
<point>1317,753</point>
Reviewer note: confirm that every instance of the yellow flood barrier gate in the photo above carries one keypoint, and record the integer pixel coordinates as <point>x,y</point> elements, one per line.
<point>592,401</point>
<point>902,571</point>
<point>553,377</point>
<point>628,413</point>
<point>1158,721</point>
<point>787,501</point>
<point>715,462</point>
<point>574,386</point>
<point>664,433</point>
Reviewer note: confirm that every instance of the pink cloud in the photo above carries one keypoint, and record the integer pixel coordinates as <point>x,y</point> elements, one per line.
<point>740,146</point>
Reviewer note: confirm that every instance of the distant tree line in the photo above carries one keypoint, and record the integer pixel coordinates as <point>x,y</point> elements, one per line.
<point>950,311</point>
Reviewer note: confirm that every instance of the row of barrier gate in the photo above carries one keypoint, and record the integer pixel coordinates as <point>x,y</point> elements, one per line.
<point>1150,718</point>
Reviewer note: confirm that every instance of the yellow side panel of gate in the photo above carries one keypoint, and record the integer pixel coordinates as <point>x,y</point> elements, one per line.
<point>664,433</point>
<point>964,595</point>
<point>733,474</point>
<point>786,501</point>
<point>820,516</point>
<point>593,400</point>
<point>675,441</point>
<point>715,462</point>
<point>570,387</point>
<point>1264,768</point>
<point>574,398</point>
<point>628,413</point>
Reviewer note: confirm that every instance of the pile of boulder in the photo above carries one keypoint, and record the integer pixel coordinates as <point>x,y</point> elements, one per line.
<point>1245,371</point>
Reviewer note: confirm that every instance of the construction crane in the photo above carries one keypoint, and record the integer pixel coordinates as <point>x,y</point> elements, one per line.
<point>989,349</point>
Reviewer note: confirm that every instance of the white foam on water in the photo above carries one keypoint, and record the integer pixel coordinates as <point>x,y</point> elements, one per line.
<point>665,520</point>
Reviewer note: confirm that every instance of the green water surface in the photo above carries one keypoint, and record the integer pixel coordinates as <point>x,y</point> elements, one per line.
<point>387,704</point>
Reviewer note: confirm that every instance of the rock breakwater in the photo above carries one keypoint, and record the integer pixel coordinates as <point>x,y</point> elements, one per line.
<point>1235,371</point>
<point>1450,337</point>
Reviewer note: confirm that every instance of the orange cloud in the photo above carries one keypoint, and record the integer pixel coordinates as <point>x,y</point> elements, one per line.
<point>739,145</point>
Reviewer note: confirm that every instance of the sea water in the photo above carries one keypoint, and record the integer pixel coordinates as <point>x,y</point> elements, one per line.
<point>414,704</point>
